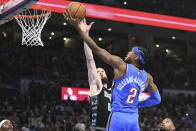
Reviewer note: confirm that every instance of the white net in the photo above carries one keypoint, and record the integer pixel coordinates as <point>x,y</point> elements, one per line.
<point>32,23</point>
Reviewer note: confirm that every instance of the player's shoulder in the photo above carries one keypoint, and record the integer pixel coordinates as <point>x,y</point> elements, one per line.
<point>149,77</point>
<point>97,92</point>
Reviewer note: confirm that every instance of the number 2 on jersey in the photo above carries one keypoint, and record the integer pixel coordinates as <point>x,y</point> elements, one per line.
<point>131,97</point>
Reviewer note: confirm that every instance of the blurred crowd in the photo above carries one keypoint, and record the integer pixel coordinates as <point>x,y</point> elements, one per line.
<point>67,68</point>
<point>41,110</point>
<point>62,67</point>
<point>171,73</point>
<point>180,108</point>
<point>46,112</point>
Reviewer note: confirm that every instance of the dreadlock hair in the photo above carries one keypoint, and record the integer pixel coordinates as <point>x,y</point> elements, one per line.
<point>145,55</point>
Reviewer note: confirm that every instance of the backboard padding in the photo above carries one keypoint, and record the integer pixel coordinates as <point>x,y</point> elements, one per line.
<point>13,7</point>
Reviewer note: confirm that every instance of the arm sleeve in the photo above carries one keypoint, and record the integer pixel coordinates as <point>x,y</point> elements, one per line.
<point>154,99</point>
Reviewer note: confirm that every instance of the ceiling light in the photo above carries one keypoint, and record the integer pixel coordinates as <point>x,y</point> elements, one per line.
<point>109,29</point>
<point>100,39</point>
<point>50,37</point>
<point>52,33</point>
<point>4,34</point>
<point>64,38</point>
<point>157,45</point>
<point>124,2</point>
<point>173,37</point>
<point>64,23</point>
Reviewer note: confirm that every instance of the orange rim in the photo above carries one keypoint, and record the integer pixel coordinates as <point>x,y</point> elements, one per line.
<point>37,7</point>
<point>30,16</point>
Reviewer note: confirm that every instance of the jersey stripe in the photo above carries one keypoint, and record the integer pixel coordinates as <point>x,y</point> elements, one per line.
<point>109,121</point>
<point>113,84</point>
<point>126,68</point>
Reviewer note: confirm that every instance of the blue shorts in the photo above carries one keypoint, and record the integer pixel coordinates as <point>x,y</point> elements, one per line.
<point>120,121</point>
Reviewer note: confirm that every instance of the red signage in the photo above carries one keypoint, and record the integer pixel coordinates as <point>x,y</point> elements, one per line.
<point>75,94</point>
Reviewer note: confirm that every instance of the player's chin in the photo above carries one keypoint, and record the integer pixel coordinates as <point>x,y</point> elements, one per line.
<point>162,129</point>
<point>10,129</point>
<point>103,78</point>
<point>162,126</point>
<point>126,59</point>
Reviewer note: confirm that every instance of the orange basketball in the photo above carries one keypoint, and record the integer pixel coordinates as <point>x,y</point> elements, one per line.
<point>77,10</point>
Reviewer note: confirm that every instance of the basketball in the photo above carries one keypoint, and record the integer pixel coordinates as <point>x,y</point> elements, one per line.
<point>77,10</point>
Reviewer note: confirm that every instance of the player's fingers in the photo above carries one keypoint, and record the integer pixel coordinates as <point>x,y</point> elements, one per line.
<point>74,20</point>
<point>91,24</point>
<point>69,15</point>
<point>65,15</point>
<point>67,12</point>
<point>77,20</point>
<point>84,20</point>
<point>71,18</point>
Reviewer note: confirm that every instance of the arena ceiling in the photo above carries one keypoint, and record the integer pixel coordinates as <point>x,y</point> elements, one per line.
<point>120,30</point>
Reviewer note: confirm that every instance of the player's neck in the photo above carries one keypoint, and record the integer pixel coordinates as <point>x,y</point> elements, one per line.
<point>135,65</point>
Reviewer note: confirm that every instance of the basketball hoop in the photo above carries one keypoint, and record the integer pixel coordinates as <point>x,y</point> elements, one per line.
<point>32,23</point>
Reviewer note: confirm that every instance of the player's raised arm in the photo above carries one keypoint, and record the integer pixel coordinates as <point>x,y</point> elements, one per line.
<point>93,78</point>
<point>116,62</point>
<point>112,60</point>
<point>151,86</point>
<point>155,97</point>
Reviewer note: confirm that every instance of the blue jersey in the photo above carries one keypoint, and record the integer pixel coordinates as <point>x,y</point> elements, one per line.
<point>126,90</point>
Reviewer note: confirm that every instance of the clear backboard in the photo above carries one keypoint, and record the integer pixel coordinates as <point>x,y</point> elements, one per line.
<point>12,7</point>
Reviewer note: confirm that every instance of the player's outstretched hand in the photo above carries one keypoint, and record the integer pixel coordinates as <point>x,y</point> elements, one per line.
<point>84,27</point>
<point>77,23</point>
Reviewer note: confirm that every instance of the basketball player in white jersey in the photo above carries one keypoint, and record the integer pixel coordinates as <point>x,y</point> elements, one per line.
<point>100,94</point>
<point>6,125</point>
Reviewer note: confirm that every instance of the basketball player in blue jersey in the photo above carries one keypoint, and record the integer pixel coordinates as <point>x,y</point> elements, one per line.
<point>130,80</point>
<point>100,94</point>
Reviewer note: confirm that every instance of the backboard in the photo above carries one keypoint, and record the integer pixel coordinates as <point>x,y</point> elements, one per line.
<point>13,7</point>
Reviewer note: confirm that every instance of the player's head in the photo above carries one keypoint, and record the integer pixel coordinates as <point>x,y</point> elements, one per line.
<point>6,125</point>
<point>102,74</point>
<point>138,56</point>
<point>167,125</point>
